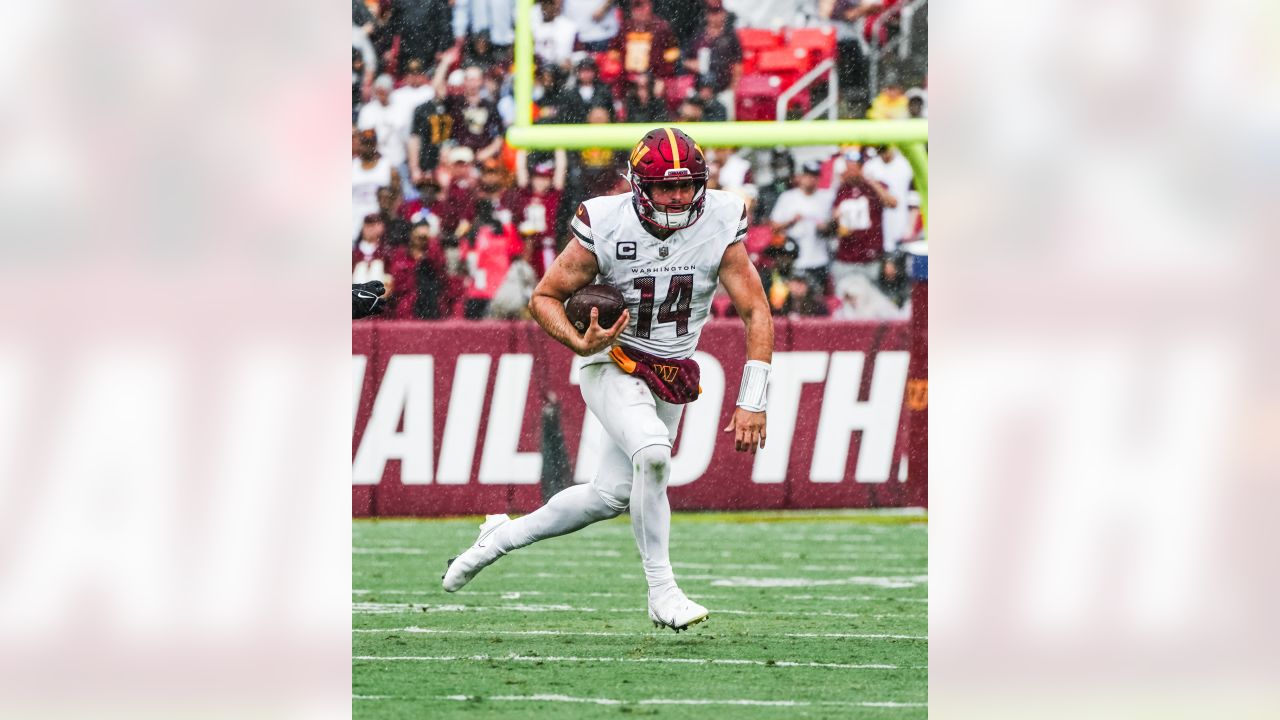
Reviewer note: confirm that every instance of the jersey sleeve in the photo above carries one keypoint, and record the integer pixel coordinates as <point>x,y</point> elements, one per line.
<point>581,227</point>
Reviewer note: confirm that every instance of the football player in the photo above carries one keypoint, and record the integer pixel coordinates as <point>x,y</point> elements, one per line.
<point>664,245</point>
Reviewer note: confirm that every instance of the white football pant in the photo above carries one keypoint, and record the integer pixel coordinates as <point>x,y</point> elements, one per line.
<point>635,465</point>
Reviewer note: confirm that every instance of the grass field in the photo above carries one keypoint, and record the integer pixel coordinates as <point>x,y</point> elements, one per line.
<point>820,615</point>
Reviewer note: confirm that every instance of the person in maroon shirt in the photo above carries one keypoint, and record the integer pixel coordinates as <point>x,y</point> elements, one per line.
<point>370,256</point>
<point>646,44</point>
<point>535,209</point>
<point>715,55</point>
<point>475,119</point>
<point>858,209</point>
<point>418,275</point>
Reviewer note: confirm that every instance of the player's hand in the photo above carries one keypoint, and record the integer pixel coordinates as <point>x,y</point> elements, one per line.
<point>748,430</point>
<point>368,299</point>
<point>597,338</point>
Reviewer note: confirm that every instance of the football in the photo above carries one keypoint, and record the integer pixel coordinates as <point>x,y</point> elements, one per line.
<point>605,297</point>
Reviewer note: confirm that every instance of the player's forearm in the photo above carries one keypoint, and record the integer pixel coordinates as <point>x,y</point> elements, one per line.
<point>759,322</point>
<point>549,313</point>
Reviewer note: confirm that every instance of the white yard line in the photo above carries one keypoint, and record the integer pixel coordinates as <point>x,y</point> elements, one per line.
<point>679,701</point>
<point>371,608</point>
<point>574,659</point>
<point>587,633</point>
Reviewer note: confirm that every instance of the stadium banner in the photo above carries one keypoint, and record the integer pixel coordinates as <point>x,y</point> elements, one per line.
<point>449,418</point>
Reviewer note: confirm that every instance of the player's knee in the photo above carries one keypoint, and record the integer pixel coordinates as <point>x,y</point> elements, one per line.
<point>615,500</point>
<point>653,464</point>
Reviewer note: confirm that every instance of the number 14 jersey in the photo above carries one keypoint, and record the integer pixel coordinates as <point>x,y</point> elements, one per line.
<point>668,284</point>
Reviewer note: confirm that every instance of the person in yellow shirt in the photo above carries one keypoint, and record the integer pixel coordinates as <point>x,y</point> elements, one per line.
<point>890,104</point>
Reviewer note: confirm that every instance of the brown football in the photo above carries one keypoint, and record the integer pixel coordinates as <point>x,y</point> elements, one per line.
<point>605,297</point>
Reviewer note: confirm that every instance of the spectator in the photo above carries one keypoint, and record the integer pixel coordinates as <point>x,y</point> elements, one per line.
<point>715,55</point>
<point>596,21</point>
<point>427,208</point>
<point>799,213</point>
<point>361,17</point>
<point>690,110</point>
<point>418,273</point>
<point>511,300</point>
<point>475,120</point>
<point>860,300</point>
<point>858,222</point>
<point>894,172</point>
<point>557,160</point>
<point>848,17</point>
<point>494,186</point>
<point>423,27</point>
<point>369,171</point>
<point>646,45</point>
<point>459,183</point>
<point>415,88</point>
<point>494,19</point>
<point>432,125</point>
<point>684,16</point>
<point>390,204</point>
<point>535,208</point>
<point>590,89</point>
<point>712,109</point>
<point>597,167</point>
<point>917,101</point>
<point>553,34</point>
<point>787,288</point>
<point>480,52</point>
<point>369,256</point>
<point>488,248</point>
<point>891,103</point>
<point>391,125</point>
<point>641,106</point>
<point>361,79</point>
<point>556,101</point>
<point>893,281</point>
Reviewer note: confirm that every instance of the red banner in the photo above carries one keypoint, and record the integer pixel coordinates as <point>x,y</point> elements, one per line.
<point>447,419</point>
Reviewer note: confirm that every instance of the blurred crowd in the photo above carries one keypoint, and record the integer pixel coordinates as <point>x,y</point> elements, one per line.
<point>460,225</point>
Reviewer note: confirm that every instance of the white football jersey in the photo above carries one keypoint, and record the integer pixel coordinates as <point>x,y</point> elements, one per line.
<point>668,284</point>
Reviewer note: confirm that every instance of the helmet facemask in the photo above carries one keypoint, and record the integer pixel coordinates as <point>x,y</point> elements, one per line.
<point>675,217</point>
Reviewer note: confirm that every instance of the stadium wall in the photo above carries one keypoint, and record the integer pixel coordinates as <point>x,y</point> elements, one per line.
<point>448,419</point>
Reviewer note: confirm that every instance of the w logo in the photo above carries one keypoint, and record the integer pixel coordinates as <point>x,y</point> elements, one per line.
<point>666,372</point>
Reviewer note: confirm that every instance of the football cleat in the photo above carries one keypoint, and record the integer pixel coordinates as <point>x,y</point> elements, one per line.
<point>672,609</point>
<point>460,570</point>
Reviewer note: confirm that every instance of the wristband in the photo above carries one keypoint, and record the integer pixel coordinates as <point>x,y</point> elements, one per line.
<point>755,386</point>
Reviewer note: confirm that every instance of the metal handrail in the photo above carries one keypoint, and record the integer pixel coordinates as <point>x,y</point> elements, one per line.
<point>828,66</point>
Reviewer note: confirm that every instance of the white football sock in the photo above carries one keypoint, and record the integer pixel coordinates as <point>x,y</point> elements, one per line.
<point>651,514</point>
<point>570,509</point>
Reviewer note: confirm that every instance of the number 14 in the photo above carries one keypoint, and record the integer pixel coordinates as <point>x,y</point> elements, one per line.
<point>674,309</point>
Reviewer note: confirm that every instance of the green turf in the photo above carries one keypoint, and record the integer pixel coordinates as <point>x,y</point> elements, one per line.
<point>511,632</point>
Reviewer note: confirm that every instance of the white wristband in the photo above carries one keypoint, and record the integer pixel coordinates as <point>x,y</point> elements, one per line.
<point>755,386</point>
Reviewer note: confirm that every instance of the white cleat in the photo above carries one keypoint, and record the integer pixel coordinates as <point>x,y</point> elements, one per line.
<point>460,570</point>
<point>672,609</point>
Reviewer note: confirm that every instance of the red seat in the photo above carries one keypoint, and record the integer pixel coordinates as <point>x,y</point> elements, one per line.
<point>783,61</point>
<point>820,43</point>
<point>755,39</point>
<point>756,97</point>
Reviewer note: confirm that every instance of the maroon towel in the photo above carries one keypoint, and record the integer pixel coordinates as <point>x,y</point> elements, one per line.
<point>675,381</point>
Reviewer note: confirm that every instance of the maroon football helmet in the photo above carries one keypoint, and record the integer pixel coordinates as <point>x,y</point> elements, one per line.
<point>667,155</point>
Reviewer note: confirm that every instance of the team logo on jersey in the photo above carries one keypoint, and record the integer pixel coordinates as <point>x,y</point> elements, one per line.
<point>666,372</point>
<point>626,250</point>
